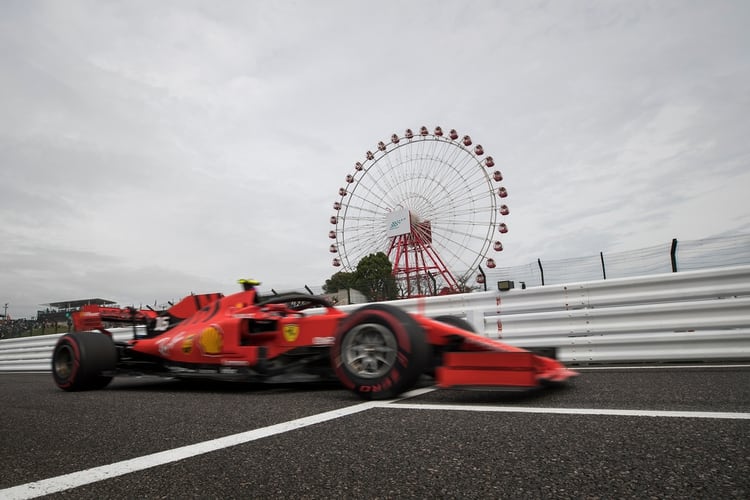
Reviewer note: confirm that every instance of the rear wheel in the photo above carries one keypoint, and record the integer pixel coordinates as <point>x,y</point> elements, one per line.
<point>83,361</point>
<point>380,352</point>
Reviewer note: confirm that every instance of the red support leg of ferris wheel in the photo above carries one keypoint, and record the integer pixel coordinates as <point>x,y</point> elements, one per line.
<point>416,263</point>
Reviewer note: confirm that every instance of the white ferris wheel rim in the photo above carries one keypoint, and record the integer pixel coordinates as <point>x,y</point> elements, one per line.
<point>439,180</point>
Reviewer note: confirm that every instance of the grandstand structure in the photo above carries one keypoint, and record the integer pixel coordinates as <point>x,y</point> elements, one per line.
<point>57,312</point>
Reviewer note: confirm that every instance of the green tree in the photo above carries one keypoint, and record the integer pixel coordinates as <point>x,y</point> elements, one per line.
<point>375,279</point>
<point>339,281</point>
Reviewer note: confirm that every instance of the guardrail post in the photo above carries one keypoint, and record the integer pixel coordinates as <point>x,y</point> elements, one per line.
<point>476,318</point>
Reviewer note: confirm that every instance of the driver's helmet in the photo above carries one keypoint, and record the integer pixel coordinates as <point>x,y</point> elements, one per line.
<point>248,284</point>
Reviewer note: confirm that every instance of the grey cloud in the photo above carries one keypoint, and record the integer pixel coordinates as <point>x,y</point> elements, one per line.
<point>152,149</point>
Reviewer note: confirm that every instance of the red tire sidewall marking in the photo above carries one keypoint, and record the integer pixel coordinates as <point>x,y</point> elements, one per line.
<point>402,359</point>
<point>76,362</point>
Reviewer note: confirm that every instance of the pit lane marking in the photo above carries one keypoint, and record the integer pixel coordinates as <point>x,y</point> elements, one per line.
<point>75,479</point>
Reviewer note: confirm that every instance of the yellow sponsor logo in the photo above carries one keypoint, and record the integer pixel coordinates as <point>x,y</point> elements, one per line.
<point>211,340</point>
<point>187,345</point>
<point>291,332</point>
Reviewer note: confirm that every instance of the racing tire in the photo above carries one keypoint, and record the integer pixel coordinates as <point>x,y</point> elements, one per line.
<point>380,351</point>
<point>437,352</point>
<point>83,361</point>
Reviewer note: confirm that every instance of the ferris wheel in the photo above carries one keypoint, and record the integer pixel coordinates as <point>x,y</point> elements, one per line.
<point>432,202</point>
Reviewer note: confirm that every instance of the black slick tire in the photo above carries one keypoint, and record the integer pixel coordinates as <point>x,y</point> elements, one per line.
<point>83,361</point>
<point>380,351</point>
<point>457,322</point>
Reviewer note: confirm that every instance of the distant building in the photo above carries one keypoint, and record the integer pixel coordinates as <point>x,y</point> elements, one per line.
<point>346,297</point>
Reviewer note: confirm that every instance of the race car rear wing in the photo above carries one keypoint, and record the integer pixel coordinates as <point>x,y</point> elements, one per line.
<point>93,317</point>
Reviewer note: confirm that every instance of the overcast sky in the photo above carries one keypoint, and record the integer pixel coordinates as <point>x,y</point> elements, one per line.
<point>153,149</point>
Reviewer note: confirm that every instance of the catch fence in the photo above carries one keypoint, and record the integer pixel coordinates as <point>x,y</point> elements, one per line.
<point>673,256</point>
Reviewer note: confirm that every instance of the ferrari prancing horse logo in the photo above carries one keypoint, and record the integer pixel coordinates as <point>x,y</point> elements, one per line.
<point>291,332</point>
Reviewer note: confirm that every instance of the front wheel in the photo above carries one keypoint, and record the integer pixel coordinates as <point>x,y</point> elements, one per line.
<point>380,351</point>
<point>83,361</point>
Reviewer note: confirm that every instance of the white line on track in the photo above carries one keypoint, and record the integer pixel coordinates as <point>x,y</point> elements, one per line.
<point>96,474</point>
<point>653,367</point>
<point>577,411</point>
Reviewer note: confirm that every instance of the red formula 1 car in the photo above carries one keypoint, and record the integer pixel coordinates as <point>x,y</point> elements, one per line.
<point>377,351</point>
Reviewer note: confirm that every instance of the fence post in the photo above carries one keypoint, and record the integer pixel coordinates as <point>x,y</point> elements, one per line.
<point>541,269</point>
<point>484,277</point>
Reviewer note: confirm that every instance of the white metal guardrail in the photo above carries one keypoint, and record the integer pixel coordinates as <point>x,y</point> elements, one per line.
<point>34,354</point>
<point>690,316</point>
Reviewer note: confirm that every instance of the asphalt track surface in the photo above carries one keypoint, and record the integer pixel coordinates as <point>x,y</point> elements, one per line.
<point>660,432</point>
